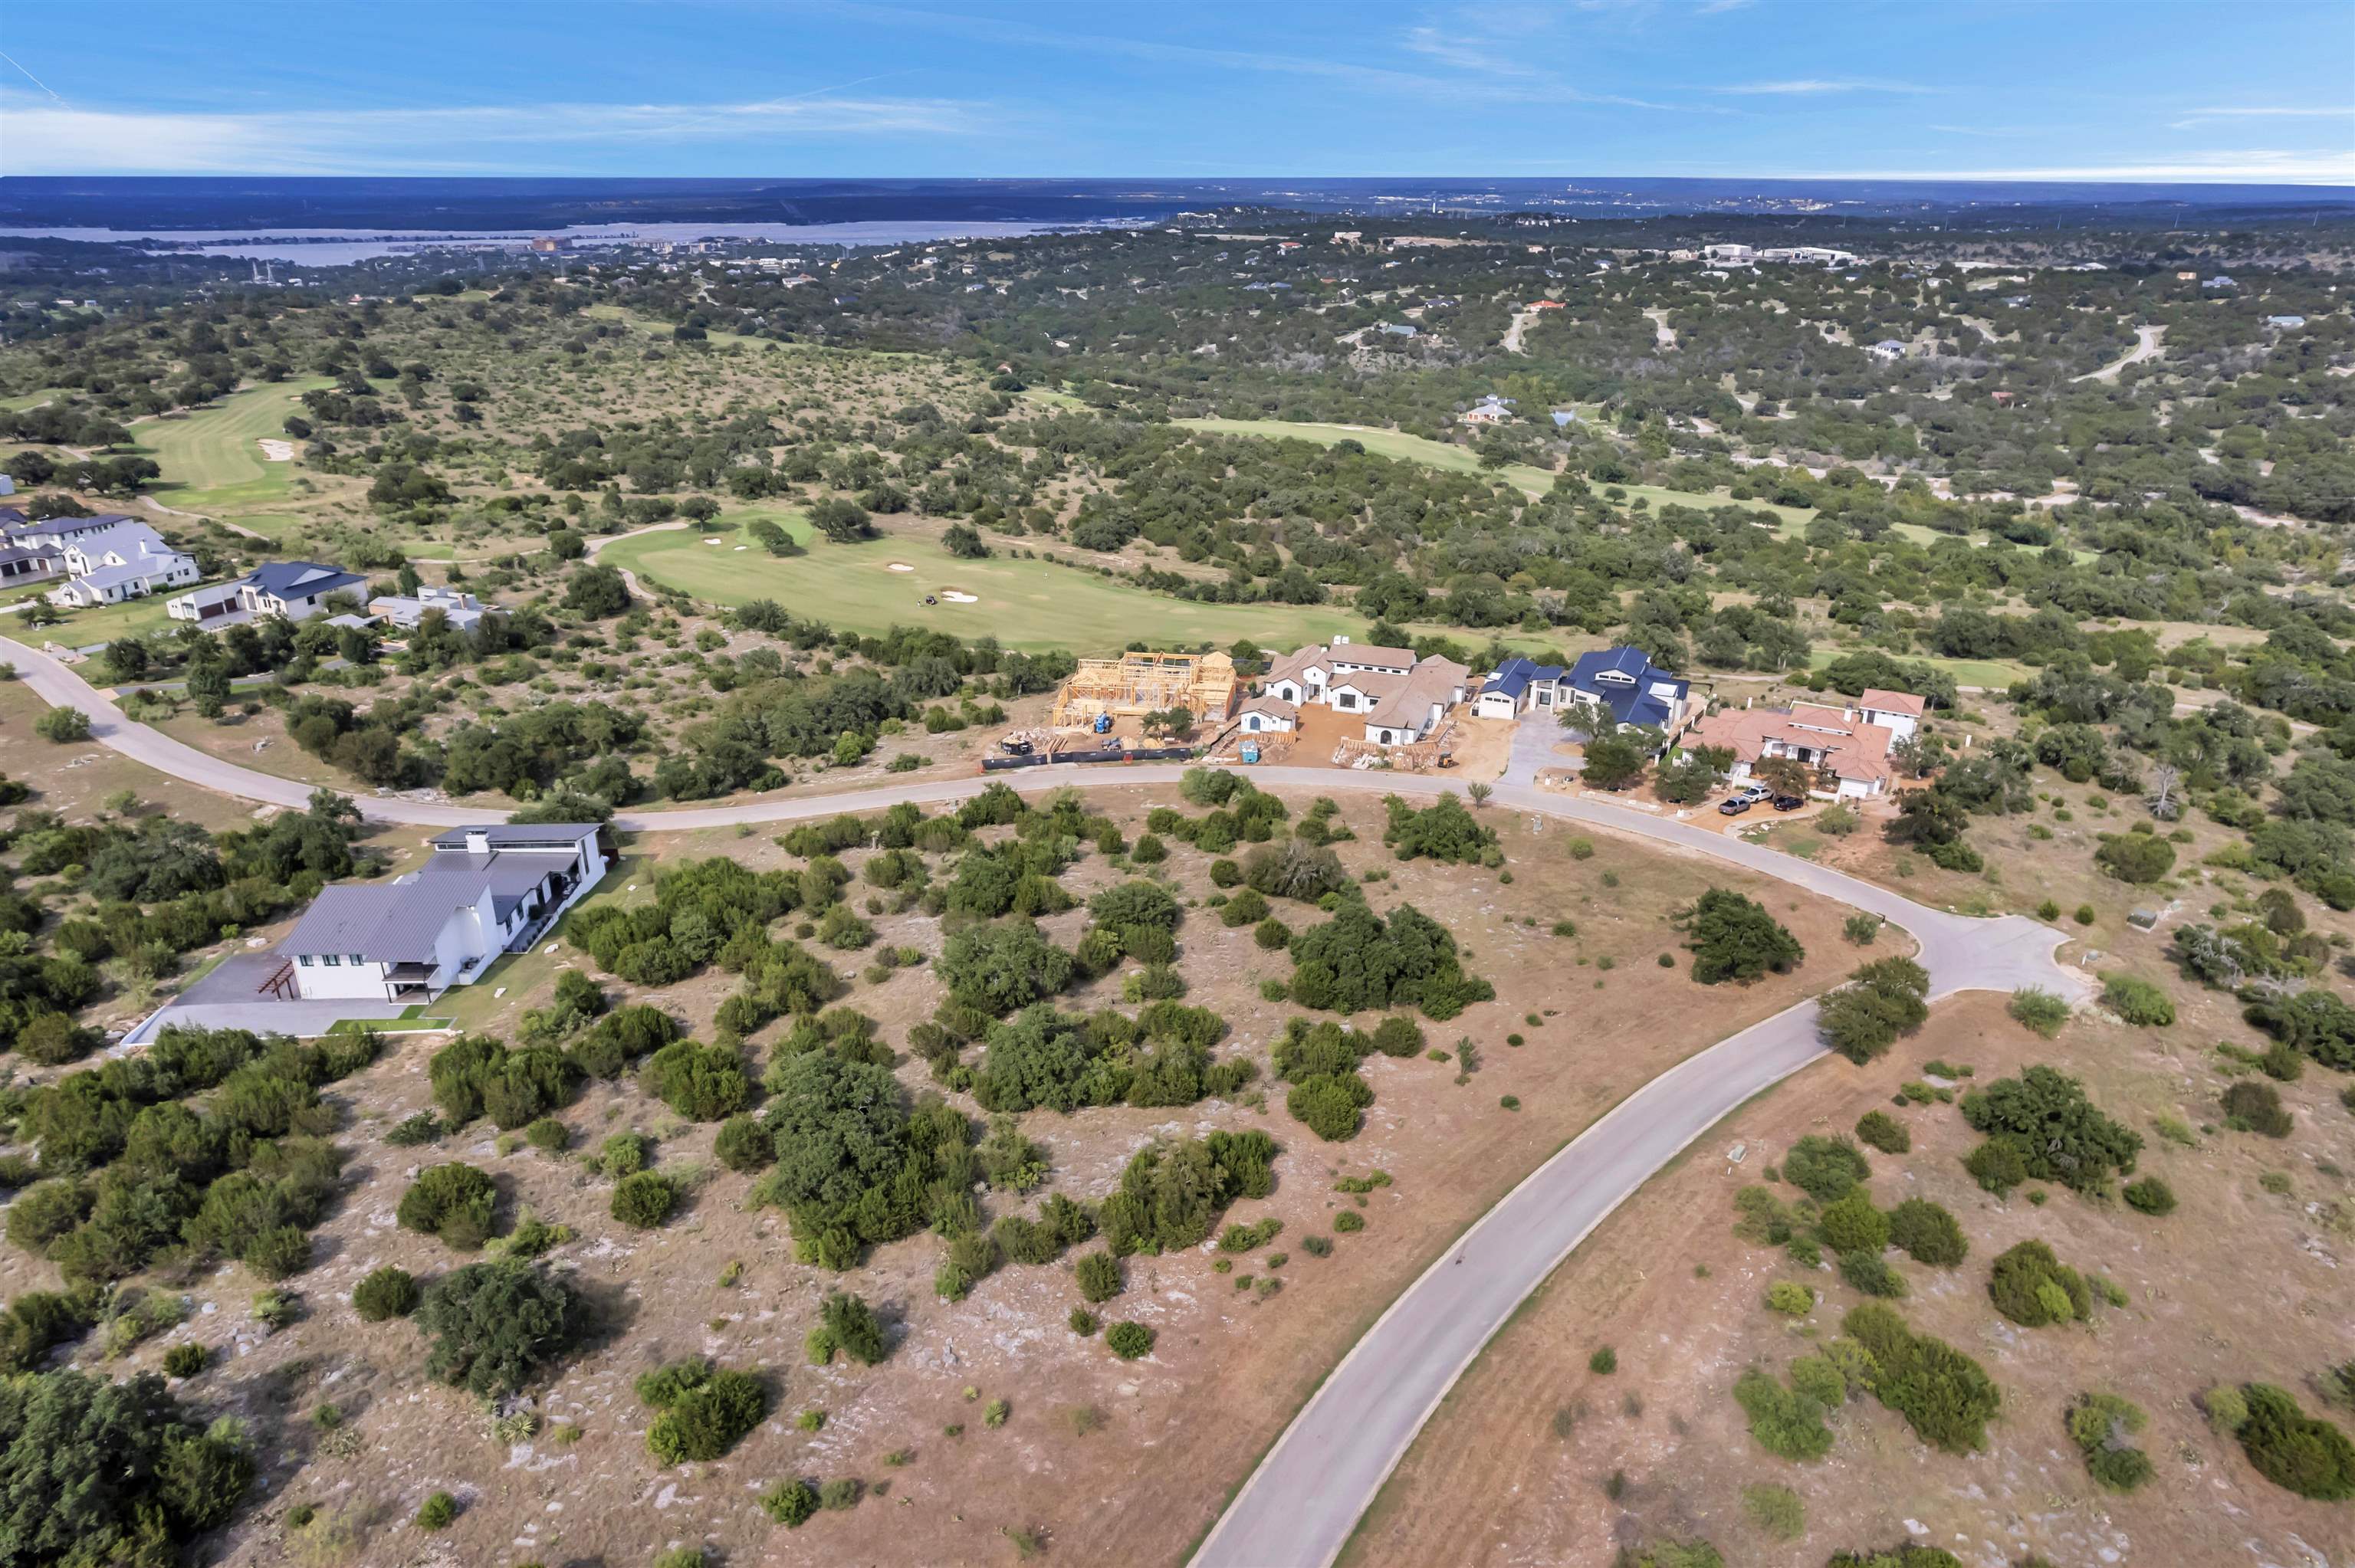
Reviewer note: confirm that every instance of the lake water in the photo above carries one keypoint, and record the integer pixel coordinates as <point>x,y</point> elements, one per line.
<point>341,247</point>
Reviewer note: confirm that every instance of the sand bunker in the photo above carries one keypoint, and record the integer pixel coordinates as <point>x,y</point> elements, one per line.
<point>276,450</point>
<point>715,541</point>
<point>900,566</point>
<point>958,596</point>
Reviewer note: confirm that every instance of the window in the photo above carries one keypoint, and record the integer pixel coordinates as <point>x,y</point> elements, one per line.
<point>1345,699</point>
<point>359,958</point>
<point>331,960</point>
<point>305,959</point>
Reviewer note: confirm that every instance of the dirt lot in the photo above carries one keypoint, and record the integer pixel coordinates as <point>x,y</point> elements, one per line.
<point>1180,1427</point>
<point>2239,1284</point>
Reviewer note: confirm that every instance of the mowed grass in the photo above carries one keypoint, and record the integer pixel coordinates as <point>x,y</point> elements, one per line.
<point>106,622</point>
<point>1446,455</point>
<point>212,460</point>
<point>1031,606</point>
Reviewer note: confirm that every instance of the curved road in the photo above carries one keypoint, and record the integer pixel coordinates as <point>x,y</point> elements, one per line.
<point>2146,346</point>
<point>1299,1506</point>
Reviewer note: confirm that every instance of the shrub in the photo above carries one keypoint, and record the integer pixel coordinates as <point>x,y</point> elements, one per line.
<point>704,1413</point>
<point>185,1360</point>
<point>701,1083</point>
<point>1825,1168</point>
<point>1099,1276</point>
<point>2309,1456</point>
<point>790,1503</point>
<point>1603,1362</point>
<point>2031,1287</point>
<point>2136,1001</point>
<point>387,1293</point>
<point>1852,1225</point>
<point>743,1147</point>
<point>62,727</point>
<point>2138,859</point>
<point>645,1199</point>
<point>1733,937</point>
<point>2041,1012</point>
<point>1945,1395</point>
<point>1927,1233</point>
<point>548,1135</point>
<point>1881,1001</point>
<point>2150,1196</point>
<point>438,1512</point>
<point>2225,1409</point>
<point>1331,1104</point>
<point>842,1492</point>
<point>851,1328</point>
<point>1129,1341</point>
<point>1869,1273</point>
<point>494,1325</point>
<point>1777,1511</point>
<point>2257,1107</point>
<point>453,1201</point>
<point>1907,1555</point>
<point>1348,1219</point>
<point>1172,1192</point>
<point>2100,1423</point>
<point>1358,962</point>
<point>1787,1424</point>
<point>1885,1132</point>
<point>2058,1133</point>
<point>1790,1299</point>
<point>1996,1165</point>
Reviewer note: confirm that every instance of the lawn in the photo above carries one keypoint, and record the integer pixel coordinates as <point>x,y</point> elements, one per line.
<point>1031,606</point>
<point>25,400</point>
<point>104,623</point>
<point>1462,459</point>
<point>212,460</point>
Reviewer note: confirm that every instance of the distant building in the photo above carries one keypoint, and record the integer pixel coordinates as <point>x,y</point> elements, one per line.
<point>1624,684</point>
<point>1809,255</point>
<point>2220,281</point>
<point>1564,417</point>
<point>463,611</point>
<point>1729,255</point>
<point>485,891</point>
<point>547,245</point>
<point>129,560</point>
<point>1887,348</point>
<point>2288,324</point>
<point>295,589</point>
<point>1397,329</point>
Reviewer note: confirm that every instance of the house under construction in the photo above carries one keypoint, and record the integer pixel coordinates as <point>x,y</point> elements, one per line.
<point>1135,684</point>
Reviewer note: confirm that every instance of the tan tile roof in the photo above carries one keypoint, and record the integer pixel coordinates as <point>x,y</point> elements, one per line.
<point>1432,681</point>
<point>1275,707</point>
<point>1289,667</point>
<point>1890,702</point>
<point>1858,750</point>
<point>1399,659</point>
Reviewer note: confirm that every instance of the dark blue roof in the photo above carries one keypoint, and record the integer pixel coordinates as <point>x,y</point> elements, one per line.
<point>1515,674</point>
<point>1640,674</point>
<point>304,578</point>
<point>1631,705</point>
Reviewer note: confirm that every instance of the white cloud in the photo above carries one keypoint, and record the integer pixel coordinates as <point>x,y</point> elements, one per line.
<point>2198,117</point>
<point>48,138</point>
<point>1807,87</point>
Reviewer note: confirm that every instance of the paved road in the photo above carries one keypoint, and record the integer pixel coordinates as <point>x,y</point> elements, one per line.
<point>1299,1507</point>
<point>2146,346</point>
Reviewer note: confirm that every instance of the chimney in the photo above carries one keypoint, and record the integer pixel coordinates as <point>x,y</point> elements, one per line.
<point>478,840</point>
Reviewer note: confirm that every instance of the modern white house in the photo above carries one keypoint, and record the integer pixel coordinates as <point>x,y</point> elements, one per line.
<point>486,891</point>
<point>295,589</point>
<point>1401,699</point>
<point>1899,712</point>
<point>462,610</point>
<point>129,560</point>
<point>1268,714</point>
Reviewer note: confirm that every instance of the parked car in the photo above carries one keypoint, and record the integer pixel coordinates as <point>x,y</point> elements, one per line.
<point>1735,807</point>
<point>1015,748</point>
<point>1789,803</point>
<point>1754,793</point>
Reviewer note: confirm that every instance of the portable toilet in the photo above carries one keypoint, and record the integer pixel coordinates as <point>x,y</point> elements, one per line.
<point>1251,751</point>
<point>1103,723</point>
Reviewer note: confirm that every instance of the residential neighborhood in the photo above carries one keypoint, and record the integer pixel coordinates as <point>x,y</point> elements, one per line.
<point>295,589</point>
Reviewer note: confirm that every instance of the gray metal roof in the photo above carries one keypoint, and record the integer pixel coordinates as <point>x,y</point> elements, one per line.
<point>511,835</point>
<point>397,922</point>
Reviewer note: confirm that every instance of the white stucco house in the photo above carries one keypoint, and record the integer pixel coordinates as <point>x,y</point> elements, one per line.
<point>1899,712</point>
<point>130,560</point>
<point>1398,698</point>
<point>1268,714</point>
<point>461,610</point>
<point>486,891</point>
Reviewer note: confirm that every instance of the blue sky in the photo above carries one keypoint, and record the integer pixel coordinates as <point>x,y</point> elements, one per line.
<point>2156,89</point>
